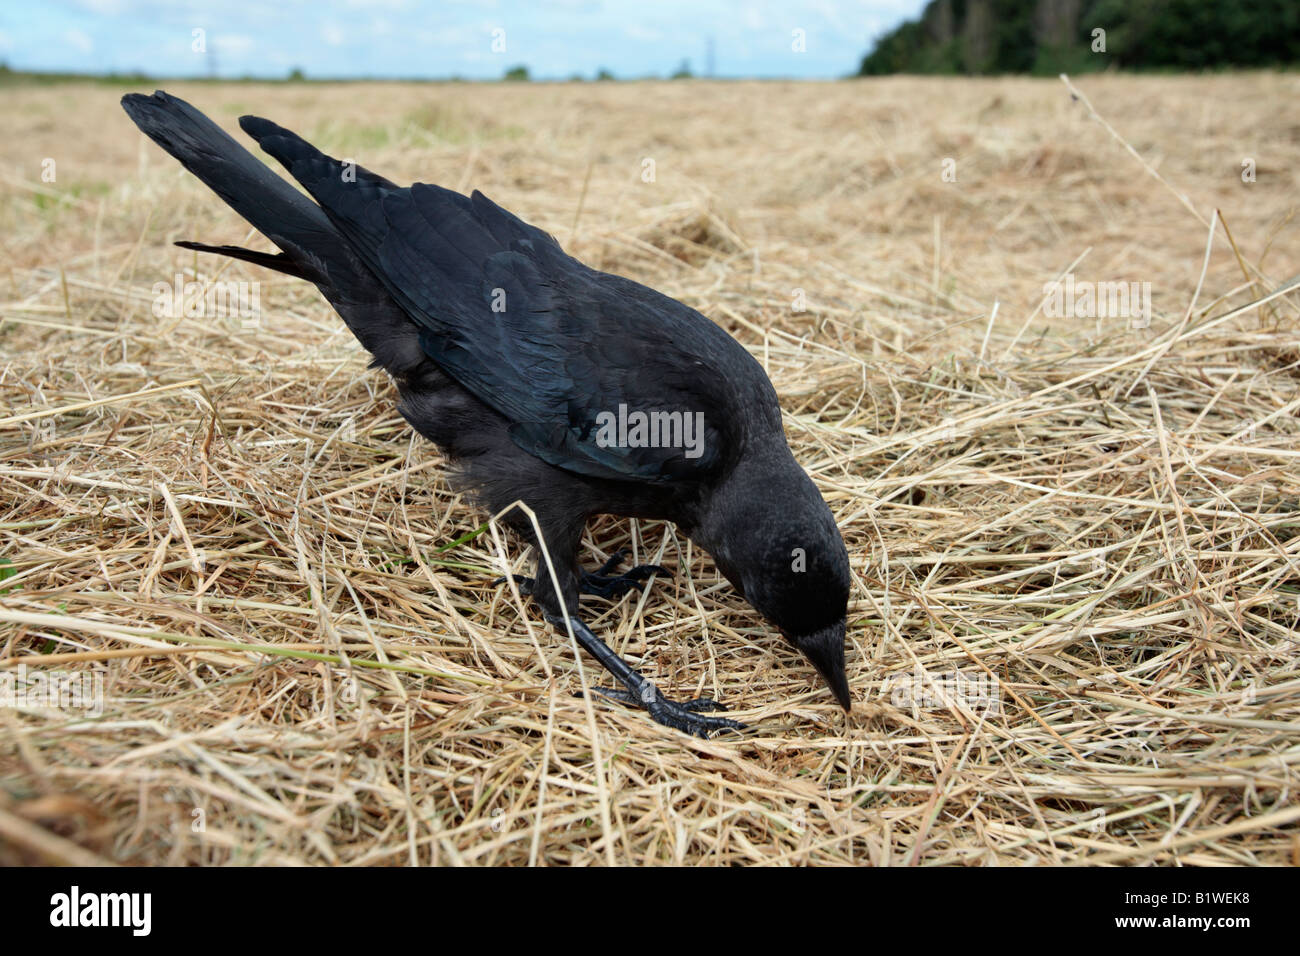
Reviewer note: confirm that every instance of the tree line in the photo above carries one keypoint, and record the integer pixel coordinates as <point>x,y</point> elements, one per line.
<point>1076,36</point>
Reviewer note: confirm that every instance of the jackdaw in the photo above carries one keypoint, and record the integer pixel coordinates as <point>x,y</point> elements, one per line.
<point>544,381</point>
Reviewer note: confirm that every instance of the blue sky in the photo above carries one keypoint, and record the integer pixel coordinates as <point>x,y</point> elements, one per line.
<point>408,38</point>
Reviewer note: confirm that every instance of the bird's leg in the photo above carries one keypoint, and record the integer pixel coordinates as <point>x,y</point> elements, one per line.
<point>637,691</point>
<point>687,716</point>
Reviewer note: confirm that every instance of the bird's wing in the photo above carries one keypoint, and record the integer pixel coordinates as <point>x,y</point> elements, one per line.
<point>569,356</point>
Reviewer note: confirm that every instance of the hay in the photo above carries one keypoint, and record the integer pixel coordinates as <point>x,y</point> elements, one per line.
<point>1097,526</point>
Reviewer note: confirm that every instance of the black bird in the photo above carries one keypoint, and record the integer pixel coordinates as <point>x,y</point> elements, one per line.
<point>544,381</point>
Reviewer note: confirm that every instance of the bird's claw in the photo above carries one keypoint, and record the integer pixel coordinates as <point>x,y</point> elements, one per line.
<point>680,715</point>
<point>603,583</point>
<point>688,719</point>
<point>600,583</point>
<point>525,584</point>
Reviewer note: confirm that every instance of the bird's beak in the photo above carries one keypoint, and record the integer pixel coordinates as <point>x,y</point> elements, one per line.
<point>825,649</point>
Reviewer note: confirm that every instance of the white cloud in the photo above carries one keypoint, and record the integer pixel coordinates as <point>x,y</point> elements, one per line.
<point>104,7</point>
<point>331,33</point>
<point>79,40</point>
<point>232,43</point>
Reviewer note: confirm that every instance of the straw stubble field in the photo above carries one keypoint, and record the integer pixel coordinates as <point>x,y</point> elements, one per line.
<point>304,658</point>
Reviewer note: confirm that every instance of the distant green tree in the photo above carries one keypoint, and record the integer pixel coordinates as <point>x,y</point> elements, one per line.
<point>516,74</point>
<point>683,71</point>
<point>604,75</point>
<point>1053,36</point>
<point>296,75</point>
<point>1199,34</point>
<point>895,52</point>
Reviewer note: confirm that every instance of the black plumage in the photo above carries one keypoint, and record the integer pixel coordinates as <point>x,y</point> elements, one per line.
<point>515,359</point>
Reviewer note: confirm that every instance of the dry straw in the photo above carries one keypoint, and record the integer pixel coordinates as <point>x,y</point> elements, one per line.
<point>1096,526</point>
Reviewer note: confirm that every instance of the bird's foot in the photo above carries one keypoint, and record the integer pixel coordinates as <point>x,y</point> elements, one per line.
<point>525,584</point>
<point>603,583</point>
<point>686,716</point>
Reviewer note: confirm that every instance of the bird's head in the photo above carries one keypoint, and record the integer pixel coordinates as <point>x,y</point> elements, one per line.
<point>773,536</point>
<point>824,648</point>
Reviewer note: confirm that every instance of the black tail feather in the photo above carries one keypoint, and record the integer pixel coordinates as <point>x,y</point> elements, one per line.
<point>277,261</point>
<point>313,247</point>
<point>269,202</point>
